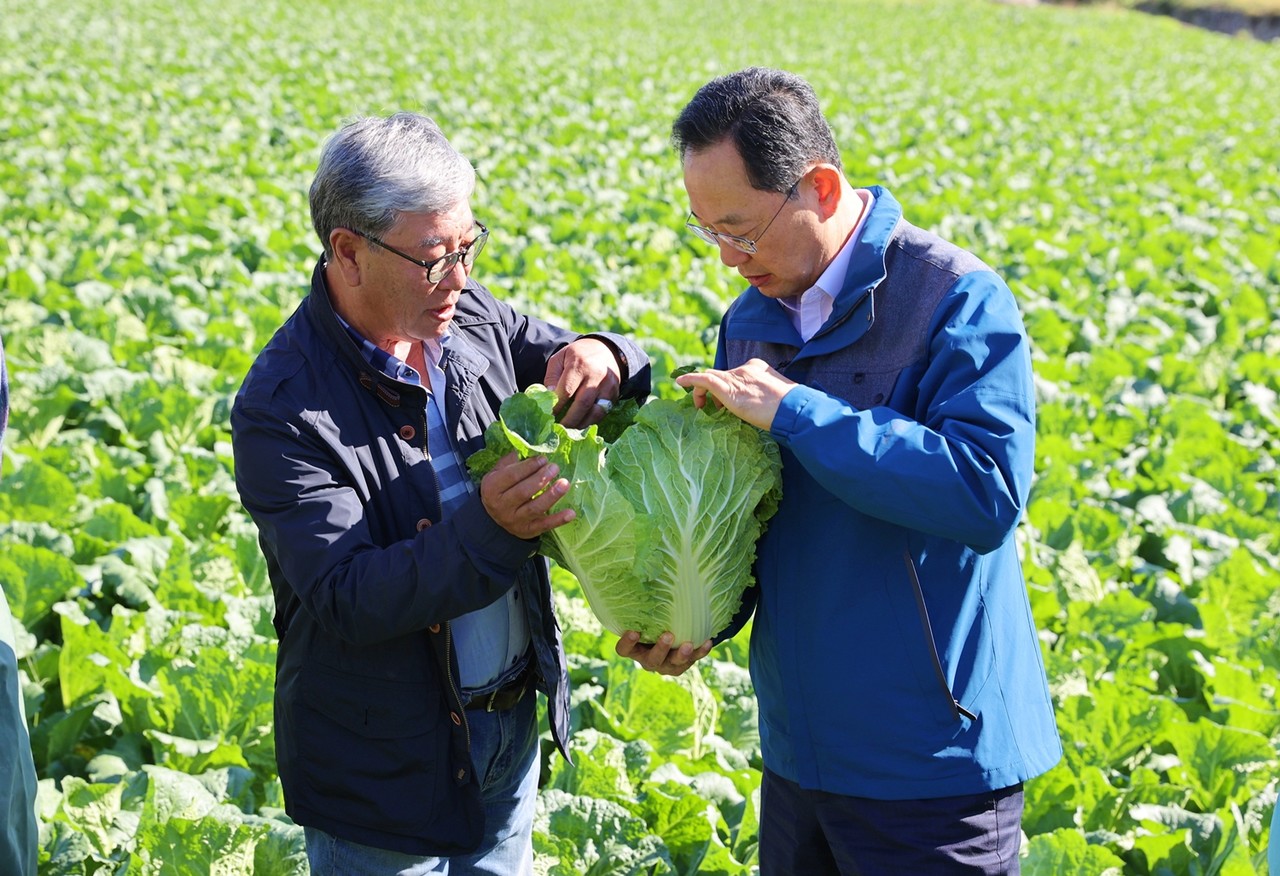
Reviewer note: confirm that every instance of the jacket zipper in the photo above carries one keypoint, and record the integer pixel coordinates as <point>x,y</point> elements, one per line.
<point>956,709</point>
<point>784,364</point>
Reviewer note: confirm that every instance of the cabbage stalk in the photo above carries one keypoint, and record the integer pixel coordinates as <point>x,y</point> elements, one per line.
<point>668,511</point>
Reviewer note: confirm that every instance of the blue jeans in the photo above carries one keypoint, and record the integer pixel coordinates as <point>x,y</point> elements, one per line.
<point>504,750</point>
<point>823,834</point>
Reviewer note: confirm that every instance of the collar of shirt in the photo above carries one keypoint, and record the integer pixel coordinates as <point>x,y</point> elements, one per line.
<point>393,366</point>
<point>810,311</point>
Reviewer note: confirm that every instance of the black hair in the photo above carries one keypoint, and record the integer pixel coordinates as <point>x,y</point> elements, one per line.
<point>773,118</point>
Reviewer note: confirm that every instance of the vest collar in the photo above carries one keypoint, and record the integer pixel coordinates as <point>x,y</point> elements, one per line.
<point>758,318</point>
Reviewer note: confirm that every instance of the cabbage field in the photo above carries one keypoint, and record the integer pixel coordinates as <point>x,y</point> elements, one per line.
<point>1122,171</point>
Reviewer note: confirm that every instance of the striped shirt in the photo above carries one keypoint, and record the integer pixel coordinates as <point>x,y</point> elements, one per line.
<point>492,641</point>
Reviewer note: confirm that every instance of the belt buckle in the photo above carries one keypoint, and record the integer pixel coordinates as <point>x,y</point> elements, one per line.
<point>521,684</point>
<point>489,701</point>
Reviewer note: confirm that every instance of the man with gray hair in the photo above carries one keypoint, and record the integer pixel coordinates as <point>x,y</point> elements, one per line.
<point>415,620</point>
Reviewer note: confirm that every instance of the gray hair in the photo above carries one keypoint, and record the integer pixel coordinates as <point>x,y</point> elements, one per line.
<point>375,169</point>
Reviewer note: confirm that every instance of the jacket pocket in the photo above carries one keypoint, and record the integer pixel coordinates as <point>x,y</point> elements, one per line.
<point>956,711</point>
<point>374,752</point>
<point>860,388</point>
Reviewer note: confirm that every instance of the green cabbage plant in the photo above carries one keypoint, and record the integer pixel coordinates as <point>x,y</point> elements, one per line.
<point>668,509</point>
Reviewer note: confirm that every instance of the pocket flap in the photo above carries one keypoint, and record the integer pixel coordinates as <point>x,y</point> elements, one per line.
<point>377,708</point>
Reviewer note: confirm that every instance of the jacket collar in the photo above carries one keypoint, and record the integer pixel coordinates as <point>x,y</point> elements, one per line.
<point>758,318</point>
<point>319,304</point>
<point>462,359</point>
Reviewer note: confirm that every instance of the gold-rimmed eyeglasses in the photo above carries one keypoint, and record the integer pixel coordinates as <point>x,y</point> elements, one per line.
<point>742,244</point>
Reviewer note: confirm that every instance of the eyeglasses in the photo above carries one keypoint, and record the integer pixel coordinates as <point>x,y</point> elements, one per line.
<point>438,269</point>
<point>742,244</point>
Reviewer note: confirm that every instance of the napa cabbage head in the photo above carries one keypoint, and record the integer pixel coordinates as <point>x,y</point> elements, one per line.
<point>668,510</point>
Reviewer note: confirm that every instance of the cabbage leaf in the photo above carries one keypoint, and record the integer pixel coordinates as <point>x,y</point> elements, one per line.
<point>668,512</point>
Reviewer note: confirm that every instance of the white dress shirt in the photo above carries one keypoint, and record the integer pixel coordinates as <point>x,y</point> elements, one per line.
<point>812,308</point>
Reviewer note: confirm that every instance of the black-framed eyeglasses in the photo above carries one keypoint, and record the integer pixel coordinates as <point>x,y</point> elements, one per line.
<point>438,269</point>
<point>742,244</point>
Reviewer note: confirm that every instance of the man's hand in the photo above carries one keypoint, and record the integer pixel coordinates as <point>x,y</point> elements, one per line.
<point>582,373</point>
<point>518,494</point>
<point>752,391</point>
<point>659,657</point>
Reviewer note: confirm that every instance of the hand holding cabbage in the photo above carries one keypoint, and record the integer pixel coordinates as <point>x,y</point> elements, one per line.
<point>668,512</point>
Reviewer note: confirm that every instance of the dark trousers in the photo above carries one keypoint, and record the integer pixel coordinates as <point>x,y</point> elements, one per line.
<point>814,833</point>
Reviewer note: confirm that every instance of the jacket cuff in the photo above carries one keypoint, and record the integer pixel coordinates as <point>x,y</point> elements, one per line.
<point>791,411</point>
<point>624,367</point>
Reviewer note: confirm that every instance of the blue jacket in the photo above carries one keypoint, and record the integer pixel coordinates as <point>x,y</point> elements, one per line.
<point>893,650</point>
<point>331,462</point>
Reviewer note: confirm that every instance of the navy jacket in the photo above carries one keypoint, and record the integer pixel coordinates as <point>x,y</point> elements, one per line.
<point>331,463</point>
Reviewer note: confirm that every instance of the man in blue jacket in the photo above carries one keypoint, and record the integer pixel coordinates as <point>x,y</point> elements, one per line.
<point>903,699</point>
<point>415,621</point>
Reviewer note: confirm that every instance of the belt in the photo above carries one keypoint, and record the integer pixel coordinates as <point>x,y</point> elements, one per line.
<point>504,697</point>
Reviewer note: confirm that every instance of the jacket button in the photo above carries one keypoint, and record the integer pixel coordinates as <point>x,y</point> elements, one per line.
<point>423,524</point>
<point>435,628</point>
<point>407,432</point>
<point>456,718</point>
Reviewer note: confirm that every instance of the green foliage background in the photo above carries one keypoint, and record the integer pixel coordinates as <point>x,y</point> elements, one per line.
<point>1122,171</point>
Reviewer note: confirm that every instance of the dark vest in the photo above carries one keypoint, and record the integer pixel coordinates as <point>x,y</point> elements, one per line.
<point>874,332</point>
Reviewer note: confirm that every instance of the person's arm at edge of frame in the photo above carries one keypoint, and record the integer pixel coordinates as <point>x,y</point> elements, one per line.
<point>20,845</point>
